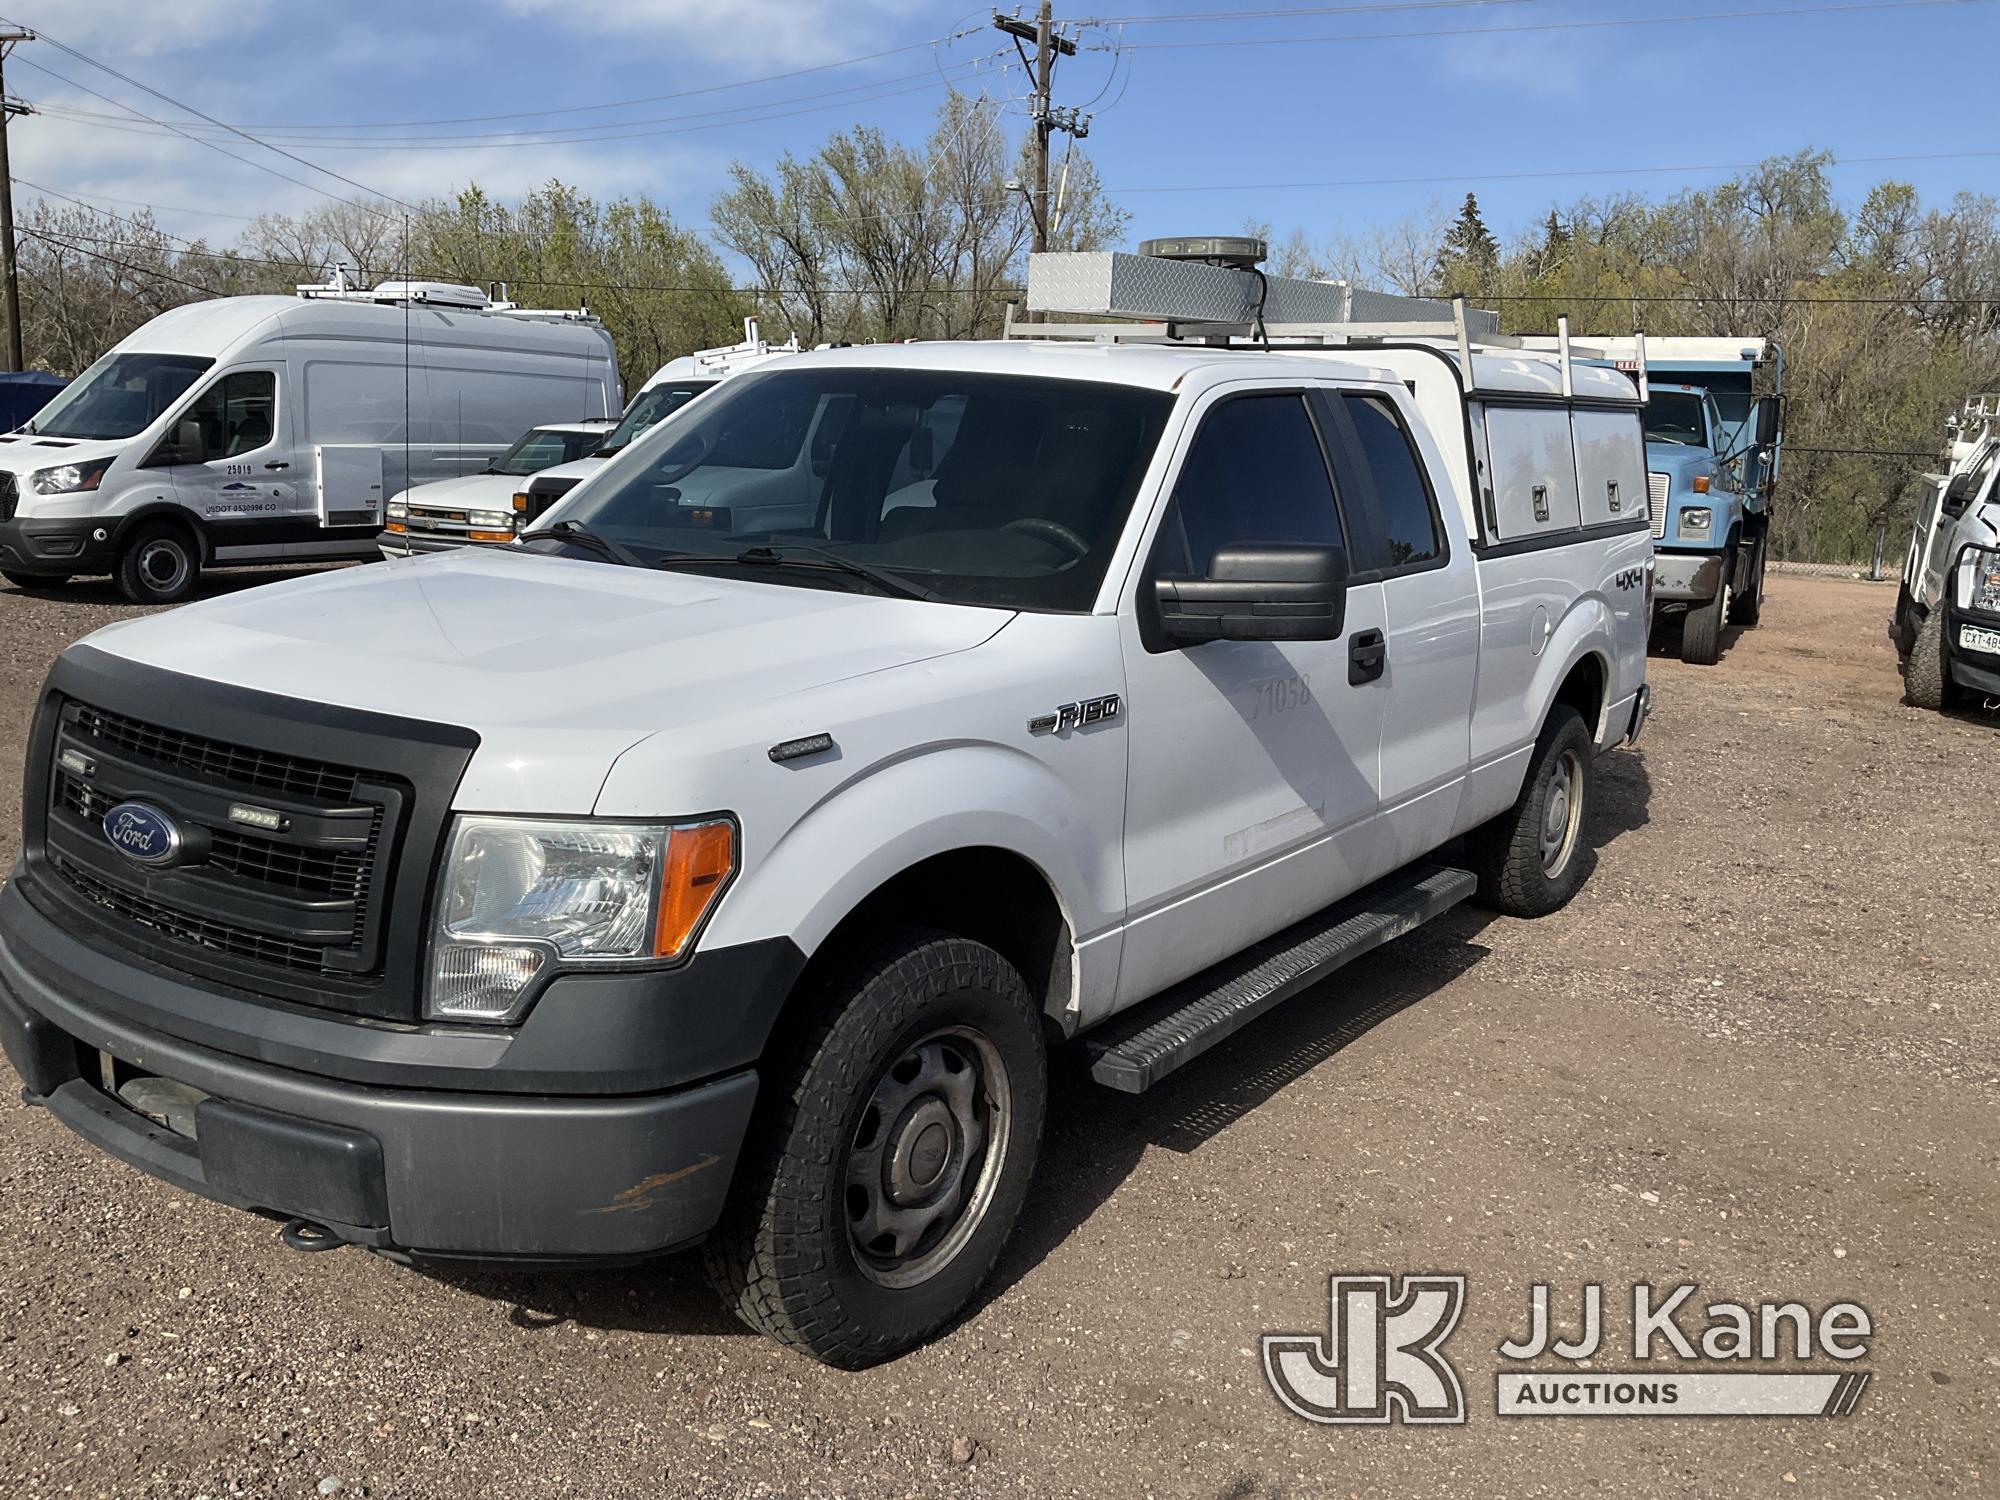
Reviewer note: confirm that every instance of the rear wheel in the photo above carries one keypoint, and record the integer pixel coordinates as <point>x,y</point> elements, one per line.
<point>880,1184</point>
<point>1532,858</point>
<point>31,582</point>
<point>158,564</point>
<point>1701,634</point>
<point>1747,607</point>
<point>1927,674</point>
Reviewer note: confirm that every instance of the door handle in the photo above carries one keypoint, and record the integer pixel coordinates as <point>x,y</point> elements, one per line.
<point>277,464</point>
<point>1367,656</point>
<point>1541,498</point>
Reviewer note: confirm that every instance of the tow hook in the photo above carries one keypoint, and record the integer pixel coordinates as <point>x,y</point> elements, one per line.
<point>308,1238</point>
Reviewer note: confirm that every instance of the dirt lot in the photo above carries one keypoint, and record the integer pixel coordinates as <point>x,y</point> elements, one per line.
<point>1759,1052</point>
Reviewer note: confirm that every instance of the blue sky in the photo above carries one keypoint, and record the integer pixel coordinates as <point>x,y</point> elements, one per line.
<point>1513,87</point>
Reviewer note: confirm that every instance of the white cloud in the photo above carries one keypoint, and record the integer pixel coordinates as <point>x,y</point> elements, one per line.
<point>776,33</point>
<point>113,29</point>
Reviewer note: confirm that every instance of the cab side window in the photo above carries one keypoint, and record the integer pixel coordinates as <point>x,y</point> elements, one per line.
<point>237,414</point>
<point>1255,473</point>
<point>1403,529</point>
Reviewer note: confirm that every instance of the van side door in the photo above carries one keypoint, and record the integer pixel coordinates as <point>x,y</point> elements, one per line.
<point>1253,766</point>
<point>241,476</point>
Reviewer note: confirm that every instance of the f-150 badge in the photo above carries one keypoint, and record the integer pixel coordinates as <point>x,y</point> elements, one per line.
<point>1076,715</point>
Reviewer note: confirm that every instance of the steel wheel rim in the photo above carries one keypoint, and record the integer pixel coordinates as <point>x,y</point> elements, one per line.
<point>1562,814</point>
<point>163,564</point>
<point>924,1159</point>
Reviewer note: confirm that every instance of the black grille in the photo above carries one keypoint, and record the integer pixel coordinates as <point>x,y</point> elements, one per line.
<point>186,927</point>
<point>215,760</point>
<point>10,496</point>
<point>317,872</point>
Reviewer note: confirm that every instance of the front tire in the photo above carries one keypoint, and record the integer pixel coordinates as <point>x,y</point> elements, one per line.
<point>1927,674</point>
<point>1701,634</point>
<point>1747,607</point>
<point>888,1167</point>
<point>1532,858</point>
<point>158,564</point>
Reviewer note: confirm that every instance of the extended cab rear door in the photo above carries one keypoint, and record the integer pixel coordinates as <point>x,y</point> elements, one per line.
<point>1254,766</point>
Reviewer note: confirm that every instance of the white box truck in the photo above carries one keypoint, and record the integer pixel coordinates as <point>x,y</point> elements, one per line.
<point>734,883</point>
<point>1947,621</point>
<point>271,429</point>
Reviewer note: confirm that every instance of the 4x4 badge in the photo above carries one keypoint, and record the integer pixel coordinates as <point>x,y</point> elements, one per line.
<point>1076,715</point>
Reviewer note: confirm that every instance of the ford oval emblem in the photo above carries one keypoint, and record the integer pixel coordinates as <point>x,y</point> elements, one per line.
<point>143,833</point>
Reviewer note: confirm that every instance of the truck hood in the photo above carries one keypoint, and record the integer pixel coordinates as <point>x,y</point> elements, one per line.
<point>23,452</point>
<point>557,664</point>
<point>1673,458</point>
<point>466,489</point>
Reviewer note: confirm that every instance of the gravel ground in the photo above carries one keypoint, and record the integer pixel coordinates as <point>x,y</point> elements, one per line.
<point>1759,1052</point>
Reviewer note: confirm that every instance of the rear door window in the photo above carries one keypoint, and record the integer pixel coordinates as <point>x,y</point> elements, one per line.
<point>1382,475</point>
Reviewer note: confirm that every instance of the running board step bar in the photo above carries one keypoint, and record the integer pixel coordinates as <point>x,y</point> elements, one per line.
<point>1134,1051</point>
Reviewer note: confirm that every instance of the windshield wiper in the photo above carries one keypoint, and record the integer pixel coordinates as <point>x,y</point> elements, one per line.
<point>577,534</point>
<point>816,558</point>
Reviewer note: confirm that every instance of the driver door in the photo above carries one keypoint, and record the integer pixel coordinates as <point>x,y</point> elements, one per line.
<point>246,488</point>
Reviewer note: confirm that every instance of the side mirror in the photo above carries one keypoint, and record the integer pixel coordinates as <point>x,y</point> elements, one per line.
<point>1770,419</point>
<point>1958,494</point>
<point>190,444</point>
<point>1258,591</point>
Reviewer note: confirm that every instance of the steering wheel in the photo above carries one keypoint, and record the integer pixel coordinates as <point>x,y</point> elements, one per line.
<point>1049,531</point>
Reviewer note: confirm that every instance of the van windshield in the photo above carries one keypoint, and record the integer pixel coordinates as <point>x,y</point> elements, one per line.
<point>119,396</point>
<point>1675,417</point>
<point>971,488</point>
<point>647,408</point>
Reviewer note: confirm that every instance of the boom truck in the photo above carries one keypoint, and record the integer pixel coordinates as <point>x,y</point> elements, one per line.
<point>1946,627</point>
<point>735,888</point>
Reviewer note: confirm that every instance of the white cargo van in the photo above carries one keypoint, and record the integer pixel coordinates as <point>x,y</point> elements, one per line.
<point>483,509</point>
<point>271,429</point>
<point>675,875</point>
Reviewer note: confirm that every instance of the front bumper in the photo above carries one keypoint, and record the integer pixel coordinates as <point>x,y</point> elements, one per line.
<point>1686,577</point>
<point>56,547</point>
<point>394,544</point>
<point>460,1171</point>
<point>1978,671</point>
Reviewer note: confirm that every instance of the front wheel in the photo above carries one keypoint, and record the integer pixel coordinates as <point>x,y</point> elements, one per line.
<point>1701,633</point>
<point>1532,858</point>
<point>1747,607</point>
<point>891,1163</point>
<point>158,564</point>
<point>1927,673</point>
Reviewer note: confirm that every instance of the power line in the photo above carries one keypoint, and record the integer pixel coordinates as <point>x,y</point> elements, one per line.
<point>1281,14</point>
<point>125,265</point>
<point>158,208</point>
<point>1397,36</point>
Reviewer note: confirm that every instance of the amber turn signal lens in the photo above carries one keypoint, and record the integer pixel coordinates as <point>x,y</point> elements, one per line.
<point>520,500</point>
<point>398,527</point>
<point>1701,484</point>
<point>491,536</point>
<point>700,859</point>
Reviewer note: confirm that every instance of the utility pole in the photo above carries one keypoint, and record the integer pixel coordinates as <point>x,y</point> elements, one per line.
<point>1048,119</point>
<point>8,109</point>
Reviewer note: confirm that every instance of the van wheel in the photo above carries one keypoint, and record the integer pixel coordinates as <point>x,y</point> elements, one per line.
<point>30,583</point>
<point>887,1169</point>
<point>1927,674</point>
<point>1701,634</point>
<point>1532,859</point>
<point>1747,607</point>
<point>158,565</point>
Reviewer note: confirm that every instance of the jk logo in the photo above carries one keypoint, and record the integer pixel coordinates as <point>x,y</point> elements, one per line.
<point>1381,1360</point>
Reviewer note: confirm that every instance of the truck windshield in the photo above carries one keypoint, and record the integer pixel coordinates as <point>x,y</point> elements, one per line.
<point>647,408</point>
<point>120,395</point>
<point>1675,417</point>
<point>976,488</point>
<point>541,449</point>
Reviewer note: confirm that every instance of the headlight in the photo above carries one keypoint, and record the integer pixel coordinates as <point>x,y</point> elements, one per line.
<point>520,896</point>
<point>399,508</point>
<point>1696,520</point>
<point>492,520</point>
<point>1979,580</point>
<point>69,479</point>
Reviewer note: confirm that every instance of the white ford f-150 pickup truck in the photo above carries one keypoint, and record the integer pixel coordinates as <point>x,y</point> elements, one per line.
<point>709,866</point>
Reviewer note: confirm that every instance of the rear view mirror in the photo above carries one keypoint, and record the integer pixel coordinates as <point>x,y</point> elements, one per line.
<point>1258,591</point>
<point>190,444</point>
<point>1958,494</point>
<point>1770,419</point>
